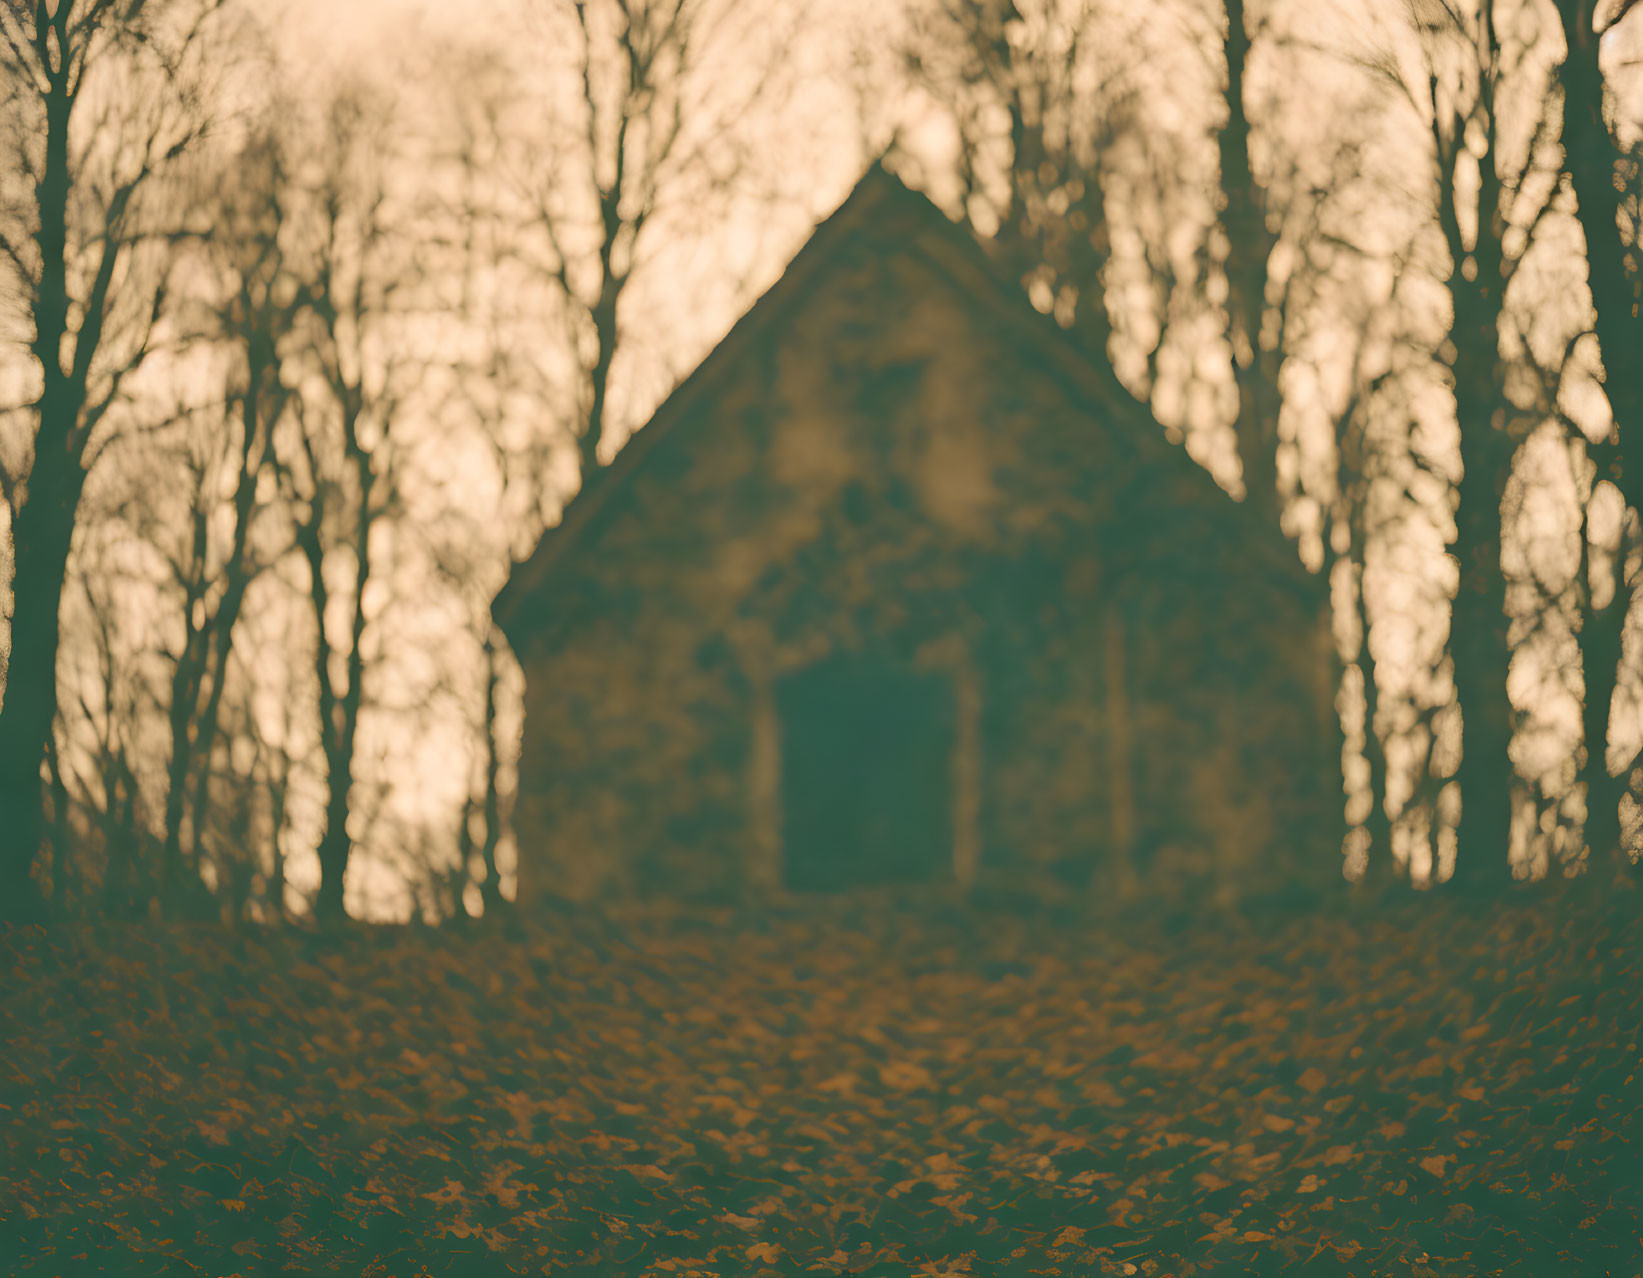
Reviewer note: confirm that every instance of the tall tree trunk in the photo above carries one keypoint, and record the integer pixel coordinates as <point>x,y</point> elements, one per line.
<point>276,877</point>
<point>1478,634</point>
<point>42,531</point>
<point>62,856</point>
<point>42,535</point>
<point>1614,273</point>
<point>339,712</point>
<point>276,782</point>
<point>1615,277</point>
<point>1250,246</point>
<point>1601,636</point>
<point>1478,643</point>
<point>186,677</point>
<point>217,641</point>
<point>1377,824</point>
<point>594,432</point>
<point>336,846</point>
<point>124,889</point>
<point>490,891</point>
<point>603,315</point>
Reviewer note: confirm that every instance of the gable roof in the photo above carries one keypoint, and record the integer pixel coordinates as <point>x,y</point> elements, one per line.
<point>954,253</point>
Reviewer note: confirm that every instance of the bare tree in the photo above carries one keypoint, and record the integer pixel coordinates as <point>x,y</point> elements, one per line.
<point>96,751</point>
<point>335,453</point>
<point>1490,195</point>
<point>1604,174</point>
<point>102,99</point>
<point>489,808</point>
<point>1251,227</point>
<point>1053,102</point>
<point>651,129</point>
<point>251,312</point>
<point>1040,96</point>
<point>1357,474</point>
<point>482,816</point>
<point>489,709</point>
<point>467,555</point>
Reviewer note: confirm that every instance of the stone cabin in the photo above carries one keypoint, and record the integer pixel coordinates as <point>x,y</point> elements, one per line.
<point>900,587</point>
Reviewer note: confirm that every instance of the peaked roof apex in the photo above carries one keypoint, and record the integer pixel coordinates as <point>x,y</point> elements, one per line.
<point>877,188</point>
<point>955,253</point>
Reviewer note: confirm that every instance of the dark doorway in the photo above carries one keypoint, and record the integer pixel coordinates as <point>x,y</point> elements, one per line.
<point>866,749</point>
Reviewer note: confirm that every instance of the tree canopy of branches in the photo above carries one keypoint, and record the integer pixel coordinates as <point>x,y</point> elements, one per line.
<point>293,378</point>
<point>103,101</point>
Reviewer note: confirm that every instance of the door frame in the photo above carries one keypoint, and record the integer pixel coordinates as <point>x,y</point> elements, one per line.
<point>949,655</point>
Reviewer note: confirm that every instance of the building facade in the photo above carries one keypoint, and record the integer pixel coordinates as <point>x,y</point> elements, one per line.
<point>901,588</point>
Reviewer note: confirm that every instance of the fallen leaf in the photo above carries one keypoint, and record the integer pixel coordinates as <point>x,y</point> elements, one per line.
<point>905,1076</point>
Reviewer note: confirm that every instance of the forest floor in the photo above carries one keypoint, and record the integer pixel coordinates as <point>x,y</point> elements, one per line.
<point>1414,1089</point>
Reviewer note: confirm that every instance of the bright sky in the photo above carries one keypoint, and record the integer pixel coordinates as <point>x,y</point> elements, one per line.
<point>674,313</point>
<point>815,152</point>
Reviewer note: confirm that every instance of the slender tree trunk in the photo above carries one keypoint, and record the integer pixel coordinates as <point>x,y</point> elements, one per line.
<point>603,315</point>
<point>335,846</point>
<point>62,856</point>
<point>218,641</point>
<point>490,890</point>
<point>1601,637</point>
<point>276,878</point>
<point>276,832</point>
<point>186,676</point>
<point>119,873</point>
<point>125,833</point>
<point>1251,242</point>
<point>339,712</point>
<point>123,889</point>
<point>1482,656</point>
<point>1591,154</point>
<point>42,532</point>
<point>1478,634</point>
<point>604,323</point>
<point>1378,825</point>
<point>42,535</point>
<point>336,740</point>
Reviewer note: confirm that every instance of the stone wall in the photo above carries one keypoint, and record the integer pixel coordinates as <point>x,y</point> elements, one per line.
<point>890,469</point>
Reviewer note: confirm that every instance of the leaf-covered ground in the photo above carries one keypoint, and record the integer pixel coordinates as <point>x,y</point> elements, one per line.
<point>859,1090</point>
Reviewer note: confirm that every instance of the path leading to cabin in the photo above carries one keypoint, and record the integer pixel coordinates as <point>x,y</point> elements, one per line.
<point>859,1091</point>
